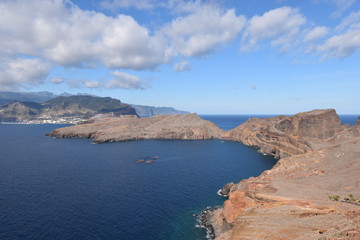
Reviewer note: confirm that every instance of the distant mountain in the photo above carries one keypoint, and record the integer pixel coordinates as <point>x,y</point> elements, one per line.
<point>72,106</point>
<point>19,111</point>
<point>148,111</point>
<point>39,97</point>
<point>20,106</point>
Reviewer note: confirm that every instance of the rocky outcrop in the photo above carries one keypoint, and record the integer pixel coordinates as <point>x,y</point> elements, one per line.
<point>125,128</point>
<point>286,136</point>
<point>305,195</point>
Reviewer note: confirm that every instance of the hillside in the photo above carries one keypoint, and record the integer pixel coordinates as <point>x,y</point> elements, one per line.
<point>81,107</point>
<point>38,97</point>
<point>149,111</point>
<point>62,105</point>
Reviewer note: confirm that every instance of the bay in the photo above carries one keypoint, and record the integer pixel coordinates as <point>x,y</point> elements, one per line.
<point>72,189</point>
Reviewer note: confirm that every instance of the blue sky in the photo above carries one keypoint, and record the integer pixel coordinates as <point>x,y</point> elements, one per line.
<point>209,57</point>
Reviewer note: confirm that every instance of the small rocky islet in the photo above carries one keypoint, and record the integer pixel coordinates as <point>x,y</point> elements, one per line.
<point>296,199</point>
<point>147,160</point>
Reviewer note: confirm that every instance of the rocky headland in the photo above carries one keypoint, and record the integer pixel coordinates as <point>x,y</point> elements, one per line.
<point>313,191</point>
<point>126,128</point>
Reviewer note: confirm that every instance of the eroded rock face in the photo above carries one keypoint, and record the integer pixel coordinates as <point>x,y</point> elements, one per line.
<point>125,128</point>
<point>291,201</point>
<point>286,136</point>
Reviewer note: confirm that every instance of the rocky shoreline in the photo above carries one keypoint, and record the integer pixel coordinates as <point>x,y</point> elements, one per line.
<point>319,159</point>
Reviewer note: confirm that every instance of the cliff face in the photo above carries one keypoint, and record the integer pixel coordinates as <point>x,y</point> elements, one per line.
<point>286,136</point>
<point>125,128</point>
<point>292,200</point>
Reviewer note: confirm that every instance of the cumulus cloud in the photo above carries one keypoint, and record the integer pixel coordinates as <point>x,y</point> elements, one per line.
<point>182,66</point>
<point>316,33</point>
<point>199,33</point>
<point>280,26</point>
<point>22,72</point>
<point>345,41</point>
<point>125,81</point>
<point>342,45</point>
<point>61,32</point>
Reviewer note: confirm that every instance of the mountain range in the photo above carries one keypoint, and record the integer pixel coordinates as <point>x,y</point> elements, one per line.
<point>24,106</point>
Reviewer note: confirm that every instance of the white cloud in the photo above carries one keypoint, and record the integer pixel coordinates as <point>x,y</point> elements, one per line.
<point>22,72</point>
<point>350,22</point>
<point>280,26</point>
<point>57,80</point>
<point>182,66</point>
<point>175,6</point>
<point>66,35</point>
<point>345,41</point>
<point>340,46</point>
<point>341,5</point>
<point>125,81</point>
<point>119,4</point>
<point>128,45</point>
<point>92,84</point>
<point>316,33</point>
<point>199,33</point>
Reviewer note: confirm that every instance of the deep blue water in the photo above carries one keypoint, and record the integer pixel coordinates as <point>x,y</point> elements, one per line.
<point>228,122</point>
<point>71,189</point>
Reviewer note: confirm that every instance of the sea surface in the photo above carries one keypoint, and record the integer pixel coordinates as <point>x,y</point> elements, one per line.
<point>72,189</point>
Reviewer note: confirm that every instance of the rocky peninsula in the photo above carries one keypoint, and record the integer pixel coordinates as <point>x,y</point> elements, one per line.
<point>313,191</point>
<point>125,128</point>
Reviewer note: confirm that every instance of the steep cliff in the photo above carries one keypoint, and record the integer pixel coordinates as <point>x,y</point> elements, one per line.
<point>308,195</point>
<point>286,136</point>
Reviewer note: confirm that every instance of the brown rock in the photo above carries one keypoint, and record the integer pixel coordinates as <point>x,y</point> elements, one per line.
<point>125,128</point>
<point>286,136</point>
<point>291,201</point>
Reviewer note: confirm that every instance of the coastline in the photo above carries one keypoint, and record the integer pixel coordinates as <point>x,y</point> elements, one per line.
<point>312,147</point>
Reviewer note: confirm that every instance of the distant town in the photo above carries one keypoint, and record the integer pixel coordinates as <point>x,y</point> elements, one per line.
<point>61,120</point>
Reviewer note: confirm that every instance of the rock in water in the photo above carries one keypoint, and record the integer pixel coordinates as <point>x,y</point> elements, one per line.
<point>226,189</point>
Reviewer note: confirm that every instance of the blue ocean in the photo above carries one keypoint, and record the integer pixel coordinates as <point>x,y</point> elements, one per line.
<point>72,189</point>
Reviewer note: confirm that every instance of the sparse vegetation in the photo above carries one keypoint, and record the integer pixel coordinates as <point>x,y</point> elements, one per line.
<point>349,198</point>
<point>334,198</point>
<point>342,235</point>
<point>352,198</point>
